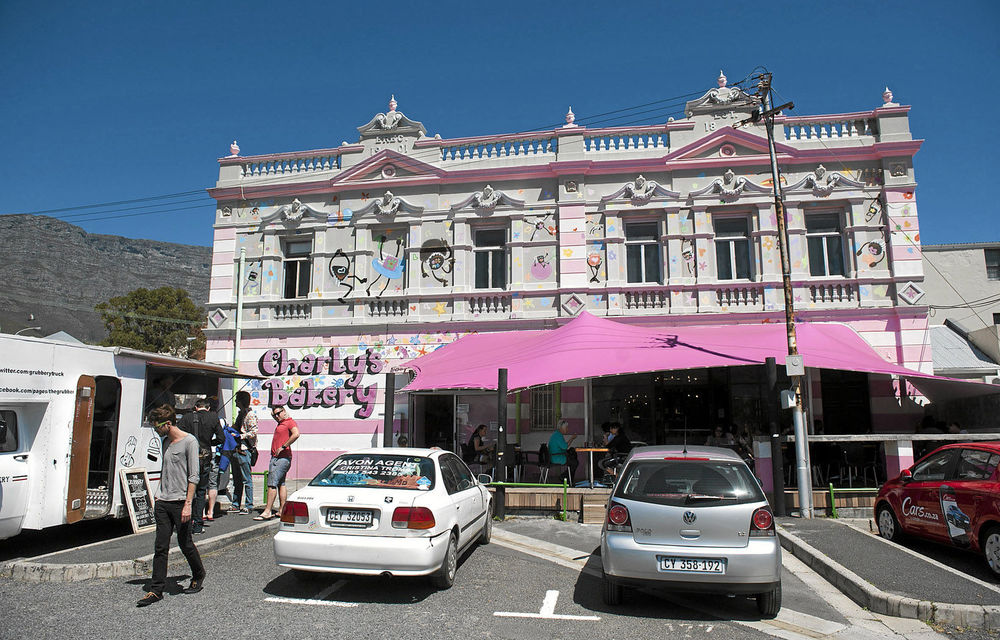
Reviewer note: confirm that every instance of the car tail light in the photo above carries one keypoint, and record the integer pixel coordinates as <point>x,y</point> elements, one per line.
<point>412,518</point>
<point>618,518</point>
<point>762,523</point>
<point>295,513</point>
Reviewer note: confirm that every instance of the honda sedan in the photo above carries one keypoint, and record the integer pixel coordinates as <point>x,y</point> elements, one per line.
<point>399,512</point>
<point>690,519</point>
<point>948,496</point>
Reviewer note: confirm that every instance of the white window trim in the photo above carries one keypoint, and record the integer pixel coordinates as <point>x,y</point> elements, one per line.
<point>502,248</point>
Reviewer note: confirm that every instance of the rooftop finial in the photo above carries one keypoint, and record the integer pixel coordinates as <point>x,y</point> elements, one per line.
<point>887,95</point>
<point>234,149</point>
<point>392,103</point>
<point>570,118</point>
<point>722,79</point>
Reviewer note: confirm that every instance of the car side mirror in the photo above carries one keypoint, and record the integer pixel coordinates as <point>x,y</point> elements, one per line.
<point>905,476</point>
<point>484,478</point>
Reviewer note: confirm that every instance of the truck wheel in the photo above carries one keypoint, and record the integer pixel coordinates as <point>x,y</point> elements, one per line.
<point>445,576</point>
<point>769,602</point>
<point>990,544</point>
<point>888,525</point>
<point>611,593</point>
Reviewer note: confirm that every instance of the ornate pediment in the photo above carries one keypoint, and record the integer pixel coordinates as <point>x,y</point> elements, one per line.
<point>487,200</point>
<point>388,205</point>
<point>722,98</point>
<point>292,214</point>
<point>391,122</point>
<point>730,187</point>
<point>822,182</point>
<point>640,191</point>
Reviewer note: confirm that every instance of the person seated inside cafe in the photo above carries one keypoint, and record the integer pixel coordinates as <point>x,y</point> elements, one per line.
<point>720,438</point>
<point>479,451</point>
<point>619,446</point>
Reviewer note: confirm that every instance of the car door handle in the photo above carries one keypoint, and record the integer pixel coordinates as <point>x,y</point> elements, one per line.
<point>21,457</point>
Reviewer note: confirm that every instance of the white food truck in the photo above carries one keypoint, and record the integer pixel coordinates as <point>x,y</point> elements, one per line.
<point>71,417</point>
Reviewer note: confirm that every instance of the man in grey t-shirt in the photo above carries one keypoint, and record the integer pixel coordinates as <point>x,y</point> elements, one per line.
<point>178,479</point>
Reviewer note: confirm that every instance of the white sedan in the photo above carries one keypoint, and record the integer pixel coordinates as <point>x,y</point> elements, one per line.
<point>393,511</point>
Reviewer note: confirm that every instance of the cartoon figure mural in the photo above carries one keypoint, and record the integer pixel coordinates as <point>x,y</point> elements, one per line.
<point>871,253</point>
<point>387,267</point>
<point>540,224</point>
<point>874,210</point>
<point>340,268</point>
<point>436,255</point>
<point>252,278</point>
<point>687,253</point>
<point>594,261</point>
<point>541,268</point>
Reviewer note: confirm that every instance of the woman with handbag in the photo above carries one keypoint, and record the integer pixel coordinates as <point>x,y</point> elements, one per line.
<point>245,454</point>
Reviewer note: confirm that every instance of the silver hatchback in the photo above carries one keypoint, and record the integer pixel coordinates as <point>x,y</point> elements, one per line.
<point>690,519</point>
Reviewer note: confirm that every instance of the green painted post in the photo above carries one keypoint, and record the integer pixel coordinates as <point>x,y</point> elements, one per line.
<point>833,503</point>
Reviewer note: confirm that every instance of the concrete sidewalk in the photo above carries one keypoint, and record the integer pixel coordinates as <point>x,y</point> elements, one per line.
<point>888,578</point>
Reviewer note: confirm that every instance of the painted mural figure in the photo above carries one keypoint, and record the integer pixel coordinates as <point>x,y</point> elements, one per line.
<point>871,253</point>
<point>389,267</point>
<point>541,268</point>
<point>540,225</point>
<point>594,261</point>
<point>437,256</point>
<point>687,253</point>
<point>340,268</point>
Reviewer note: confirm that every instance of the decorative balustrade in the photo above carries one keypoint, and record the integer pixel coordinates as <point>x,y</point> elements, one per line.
<point>623,140</point>
<point>388,308</point>
<point>489,305</point>
<point>645,300</point>
<point>290,164</point>
<point>292,311</point>
<point>840,293</point>
<point>506,147</point>
<point>820,129</point>
<point>746,296</point>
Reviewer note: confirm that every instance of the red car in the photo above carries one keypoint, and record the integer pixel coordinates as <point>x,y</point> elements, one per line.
<point>951,495</point>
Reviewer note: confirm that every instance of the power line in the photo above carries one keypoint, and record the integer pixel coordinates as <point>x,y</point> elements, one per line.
<point>108,204</point>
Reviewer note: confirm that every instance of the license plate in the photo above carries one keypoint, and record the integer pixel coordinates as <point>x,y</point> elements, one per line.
<point>692,565</point>
<point>348,518</point>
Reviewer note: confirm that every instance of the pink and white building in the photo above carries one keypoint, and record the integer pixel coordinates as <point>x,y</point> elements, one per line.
<point>361,257</point>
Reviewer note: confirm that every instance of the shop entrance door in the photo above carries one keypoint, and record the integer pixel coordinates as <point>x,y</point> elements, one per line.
<point>434,421</point>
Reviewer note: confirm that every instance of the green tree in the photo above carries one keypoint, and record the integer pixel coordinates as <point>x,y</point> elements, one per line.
<point>163,320</point>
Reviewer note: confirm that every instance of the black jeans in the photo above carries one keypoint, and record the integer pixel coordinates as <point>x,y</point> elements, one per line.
<point>200,492</point>
<point>168,517</point>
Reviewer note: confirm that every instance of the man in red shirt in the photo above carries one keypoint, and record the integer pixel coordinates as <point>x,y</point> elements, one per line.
<point>285,434</point>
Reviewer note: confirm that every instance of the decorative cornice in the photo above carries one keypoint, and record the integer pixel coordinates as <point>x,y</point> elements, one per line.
<point>391,121</point>
<point>487,200</point>
<point>292,214</point>
<point>388,205</point>
<point>730,187</point>
<point>823,182</point>
<point>640,191</point>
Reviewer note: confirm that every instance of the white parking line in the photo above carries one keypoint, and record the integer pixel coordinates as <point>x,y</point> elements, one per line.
<point>547,611</point>
<point>319,598</point>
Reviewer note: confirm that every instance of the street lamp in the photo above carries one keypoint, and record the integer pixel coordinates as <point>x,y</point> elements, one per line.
<point>18,332</point>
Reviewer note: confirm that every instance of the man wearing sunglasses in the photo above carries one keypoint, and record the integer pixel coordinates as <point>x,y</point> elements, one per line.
<point>178,479</point>
<point>285,434</point>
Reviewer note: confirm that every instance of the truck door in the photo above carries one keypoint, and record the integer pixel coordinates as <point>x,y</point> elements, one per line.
<point>79,462</point>
<point>13,473</point>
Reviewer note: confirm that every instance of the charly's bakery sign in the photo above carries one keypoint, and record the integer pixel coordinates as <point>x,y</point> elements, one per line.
<point>275,362</point>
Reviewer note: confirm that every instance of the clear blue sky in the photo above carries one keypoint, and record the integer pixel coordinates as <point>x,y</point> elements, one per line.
<point>111,101</point>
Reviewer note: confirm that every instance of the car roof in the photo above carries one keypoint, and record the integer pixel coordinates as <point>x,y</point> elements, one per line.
<point>681,451</point>
<point>991,445</point>
<point>405,451</point>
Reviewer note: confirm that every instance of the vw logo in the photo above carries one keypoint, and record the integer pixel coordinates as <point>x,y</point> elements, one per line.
<point>689,517</point>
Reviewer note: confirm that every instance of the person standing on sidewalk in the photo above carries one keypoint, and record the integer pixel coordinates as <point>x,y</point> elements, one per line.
<point>172,509</point>
<point>245,427</point>
<point>285,434</point>
<point>203,425</point>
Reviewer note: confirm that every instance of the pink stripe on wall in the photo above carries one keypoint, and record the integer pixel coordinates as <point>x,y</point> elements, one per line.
<point>220,345</point>
<point>226,233</point>
<point>357,426</point>
<point>892,195</point>
<point>223,257</point>
<point>305,464</point>
<point>571,394</point>
<point>888,324</point>
<point>907,252</point>
<point>570,211</point>
<point>222,282</point>
<point>573,266</point>
<point>574,238</point>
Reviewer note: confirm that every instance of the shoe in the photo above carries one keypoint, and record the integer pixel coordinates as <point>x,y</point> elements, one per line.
<point>196,532</point>
<point>197,584</point>
<point>244,512</point>
<point>263,517</point>
<point>209,519</point>
<point>233,510</point>
<point>149,599</point>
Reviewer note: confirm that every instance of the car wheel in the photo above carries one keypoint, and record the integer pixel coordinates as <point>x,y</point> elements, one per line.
<point>487,533</point>
<point>769,602</point>
<point>445,576</point>
<point>888,525</point>
<point>611,592</point>
<point>990,544</point>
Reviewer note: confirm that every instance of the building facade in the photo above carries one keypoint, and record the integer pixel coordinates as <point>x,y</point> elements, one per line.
<point>361,257</point>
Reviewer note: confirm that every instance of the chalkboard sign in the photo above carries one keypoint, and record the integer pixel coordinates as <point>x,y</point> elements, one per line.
<point>138,499</point>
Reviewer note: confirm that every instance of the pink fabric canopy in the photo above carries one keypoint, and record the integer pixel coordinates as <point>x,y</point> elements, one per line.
<point>591,347</point>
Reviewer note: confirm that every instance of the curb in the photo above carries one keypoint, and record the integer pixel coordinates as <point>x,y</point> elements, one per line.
<point>878,601</point>
<point>34,571</point>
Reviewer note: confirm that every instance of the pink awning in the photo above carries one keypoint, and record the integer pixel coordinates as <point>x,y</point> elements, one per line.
<point>591,347</point>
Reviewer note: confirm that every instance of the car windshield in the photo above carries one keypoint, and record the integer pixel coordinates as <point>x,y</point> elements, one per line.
<point>689,483</point>
<point>378,471</point>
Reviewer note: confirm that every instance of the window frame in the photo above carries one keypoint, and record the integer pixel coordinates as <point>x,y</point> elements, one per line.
<point>951,455</point>
<point>10,417</point>
<point>644,244</point>
<point>824,238</point>
<point>542,416</point>
<point>992,259</point>
<point>494,253</point>
<point>731,242</point>
<point>302,262</point>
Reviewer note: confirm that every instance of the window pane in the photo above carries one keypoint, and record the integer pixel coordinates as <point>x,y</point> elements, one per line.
<point>742,249</point>
<point>652,262</point>
<point>298,248</point>
<point>731,227</point>
<point>992,263</point>
<point>291,270</point>
<point>933,468</point>
<point>644,231</point>
<point>828,223</point>
<point>817,265</point>
<point>304,272</point>
<point>834,255</point>
<point>633,258</point>
<point>482,270</point>
<point>499,280</point>
<point>491,237</point>
<point>9,444</point>
<point>724,260</point>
